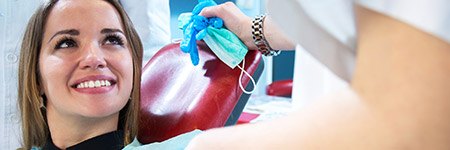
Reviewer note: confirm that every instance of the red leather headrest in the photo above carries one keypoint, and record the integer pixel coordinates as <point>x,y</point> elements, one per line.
<point>177,97</point>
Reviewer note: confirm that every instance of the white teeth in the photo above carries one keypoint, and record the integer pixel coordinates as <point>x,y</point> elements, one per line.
<point>91,84</point>
<point>97,83</point>
<point>94,84</point>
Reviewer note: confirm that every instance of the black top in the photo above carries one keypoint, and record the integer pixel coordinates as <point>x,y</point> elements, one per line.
<point>108,141</point>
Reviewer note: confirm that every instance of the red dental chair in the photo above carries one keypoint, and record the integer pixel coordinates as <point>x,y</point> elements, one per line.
<point>280,88</point>
<point>177,97</point>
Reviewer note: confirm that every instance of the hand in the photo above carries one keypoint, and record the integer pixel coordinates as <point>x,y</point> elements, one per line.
<point>234,20</point>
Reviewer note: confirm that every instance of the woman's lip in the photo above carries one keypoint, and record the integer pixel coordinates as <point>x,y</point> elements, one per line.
<point>97,90</point>
<point>94,78</point>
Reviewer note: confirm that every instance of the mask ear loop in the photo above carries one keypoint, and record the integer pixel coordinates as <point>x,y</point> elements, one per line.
<point>240,79</point>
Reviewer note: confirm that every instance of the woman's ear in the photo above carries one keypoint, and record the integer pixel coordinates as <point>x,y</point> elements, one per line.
<point>41,91</point>
<point>42,96</point>
<point>41,88</point>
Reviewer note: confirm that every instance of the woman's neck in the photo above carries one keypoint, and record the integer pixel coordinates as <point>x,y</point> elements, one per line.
<point>67,131</point>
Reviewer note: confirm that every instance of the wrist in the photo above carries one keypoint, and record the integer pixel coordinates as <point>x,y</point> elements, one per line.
<point>245,33</point>
<point>259,38</point>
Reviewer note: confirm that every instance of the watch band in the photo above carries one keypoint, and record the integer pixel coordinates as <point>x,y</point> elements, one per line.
<point>259,39</point>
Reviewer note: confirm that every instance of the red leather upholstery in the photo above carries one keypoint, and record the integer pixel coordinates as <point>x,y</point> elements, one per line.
<point>280,88</point>
<point>177,97</point>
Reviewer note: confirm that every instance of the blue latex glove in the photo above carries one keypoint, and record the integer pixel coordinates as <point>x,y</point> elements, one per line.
<point>195,28</point>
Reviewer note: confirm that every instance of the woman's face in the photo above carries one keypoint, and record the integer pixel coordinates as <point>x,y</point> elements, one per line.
<point>85,61</point>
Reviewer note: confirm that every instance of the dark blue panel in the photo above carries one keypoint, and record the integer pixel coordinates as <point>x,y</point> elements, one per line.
<point>283,66</point>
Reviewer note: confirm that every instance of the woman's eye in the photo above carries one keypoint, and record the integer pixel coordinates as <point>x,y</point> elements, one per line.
<point>113,40</point>
<point>65,43</point>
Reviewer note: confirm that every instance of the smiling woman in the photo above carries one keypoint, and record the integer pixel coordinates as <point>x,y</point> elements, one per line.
<point>80,66</point>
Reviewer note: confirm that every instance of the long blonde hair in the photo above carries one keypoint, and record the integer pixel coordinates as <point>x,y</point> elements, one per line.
<point>34,126</point>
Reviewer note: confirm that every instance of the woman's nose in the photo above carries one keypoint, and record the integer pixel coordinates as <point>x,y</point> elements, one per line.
<point>92,58</point>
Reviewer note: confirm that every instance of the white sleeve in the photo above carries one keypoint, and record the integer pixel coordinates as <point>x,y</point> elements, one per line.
<point>324,28</point>
<point>151,19</point>
<point>431,16</point>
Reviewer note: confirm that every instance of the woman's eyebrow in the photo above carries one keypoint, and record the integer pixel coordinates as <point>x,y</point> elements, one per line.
<point>68,31</point>
<point>110,30</point>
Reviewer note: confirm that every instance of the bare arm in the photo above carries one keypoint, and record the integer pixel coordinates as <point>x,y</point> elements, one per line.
<point>338,122</point>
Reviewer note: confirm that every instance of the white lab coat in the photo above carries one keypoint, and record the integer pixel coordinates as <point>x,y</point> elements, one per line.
<point>150,17</point>
<point>325,32</point>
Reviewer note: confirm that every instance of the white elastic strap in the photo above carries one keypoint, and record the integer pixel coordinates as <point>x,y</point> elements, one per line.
<point>240,78</point>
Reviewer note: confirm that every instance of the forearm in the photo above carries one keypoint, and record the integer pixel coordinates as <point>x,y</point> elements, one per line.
<point>277,39</point>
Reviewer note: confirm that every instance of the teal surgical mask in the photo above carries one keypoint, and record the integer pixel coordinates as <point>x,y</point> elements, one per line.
<point>226,46</point>
<point>230,50</point>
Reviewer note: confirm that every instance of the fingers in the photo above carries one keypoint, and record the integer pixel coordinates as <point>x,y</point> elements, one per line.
<point>234,20</point>
<point>219,10</point>
<point>209,12</point>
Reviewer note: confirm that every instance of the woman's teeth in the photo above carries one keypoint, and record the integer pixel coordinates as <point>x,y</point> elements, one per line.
<point>94,84</point>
